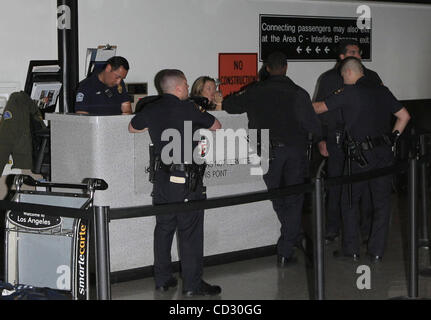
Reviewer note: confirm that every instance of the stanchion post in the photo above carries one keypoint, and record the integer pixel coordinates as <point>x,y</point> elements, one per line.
<point>101,231</point>
<point>413,243</point>
<point>319,249</point>
<point>424,236</point>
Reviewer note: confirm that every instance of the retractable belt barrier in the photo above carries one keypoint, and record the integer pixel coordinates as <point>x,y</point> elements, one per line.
<point>103,215</point>
<point>147,211</point>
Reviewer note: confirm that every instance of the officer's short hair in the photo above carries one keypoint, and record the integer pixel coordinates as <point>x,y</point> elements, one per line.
<point>276,61</point>
<point>353,64</point>
<point>117,62</point>
<point>168,78</point>
<point>342,47</point>
<point>157,81</point>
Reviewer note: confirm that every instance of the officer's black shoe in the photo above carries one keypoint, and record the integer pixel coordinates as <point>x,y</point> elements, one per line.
<point>283,262</point>
<point>331,238</point>
<point>342,256</point>
<point>375,259</point>
<point>205,289</point>
<point>171,283</point>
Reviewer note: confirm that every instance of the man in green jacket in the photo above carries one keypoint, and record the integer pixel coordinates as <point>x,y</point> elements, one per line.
<point>15,130</point>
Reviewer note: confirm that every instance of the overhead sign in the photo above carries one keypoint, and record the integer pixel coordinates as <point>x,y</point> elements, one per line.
<point>304,38</point>
<point>236,70</point>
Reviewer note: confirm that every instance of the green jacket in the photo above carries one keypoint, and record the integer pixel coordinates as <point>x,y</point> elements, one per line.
<point>15,132</point>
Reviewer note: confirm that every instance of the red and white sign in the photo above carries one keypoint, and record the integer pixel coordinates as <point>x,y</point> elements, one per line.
<point>236,70</point>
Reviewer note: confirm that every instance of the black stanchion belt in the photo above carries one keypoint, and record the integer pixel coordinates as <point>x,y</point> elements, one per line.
<point>147,211</point>
<point>369,175</point>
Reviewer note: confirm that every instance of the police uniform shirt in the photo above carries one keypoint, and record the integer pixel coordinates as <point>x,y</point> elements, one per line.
<point>367,109</point>
<point>279,105</point>
<point>169,112</point>
<point>96,98</point>
<point>329,82</point>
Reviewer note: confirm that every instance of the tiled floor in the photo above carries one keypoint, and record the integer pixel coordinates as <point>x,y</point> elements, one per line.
<point>261,279</point>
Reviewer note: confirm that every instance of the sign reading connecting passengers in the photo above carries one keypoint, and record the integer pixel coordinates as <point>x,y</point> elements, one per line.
<point>236,70</point>
<point>305,38</point>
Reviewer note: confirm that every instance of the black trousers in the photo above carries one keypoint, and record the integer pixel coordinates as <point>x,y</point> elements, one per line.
<point>336,168</point>
<point>381,189</point>
<point>288,168</point>
<point>189,227</point>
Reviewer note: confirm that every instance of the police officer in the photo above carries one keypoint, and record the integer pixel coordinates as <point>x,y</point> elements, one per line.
<point>367,111</point>
<point>105,93</point>
<point>281,106</point>
<point>328,83</point>
<point>173,183</point>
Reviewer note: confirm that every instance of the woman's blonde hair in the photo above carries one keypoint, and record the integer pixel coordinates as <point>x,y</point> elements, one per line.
<point>198,85</point>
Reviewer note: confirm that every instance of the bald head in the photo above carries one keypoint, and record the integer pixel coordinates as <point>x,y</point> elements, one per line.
<point>351,70</point>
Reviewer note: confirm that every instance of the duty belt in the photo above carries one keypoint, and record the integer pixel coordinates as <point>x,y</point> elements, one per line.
<point>371,143</point>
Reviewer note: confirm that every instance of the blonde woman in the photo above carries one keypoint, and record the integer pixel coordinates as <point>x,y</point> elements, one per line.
<point>206,87</point>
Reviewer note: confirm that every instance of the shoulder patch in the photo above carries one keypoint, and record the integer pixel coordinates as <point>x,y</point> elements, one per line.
<point>80,97</point>
<point>7,115</point>
<point>339,91</point>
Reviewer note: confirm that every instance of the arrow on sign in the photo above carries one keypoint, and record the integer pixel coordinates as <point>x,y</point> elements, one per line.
<point>327,49</point>
<point>299,50</point>
<point>308,49</point>
<point>318,50</point>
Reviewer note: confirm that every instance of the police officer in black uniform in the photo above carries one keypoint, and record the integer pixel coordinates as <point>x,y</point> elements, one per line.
<point>104,93</point>
<point>281,106</point>
<point>328,83</point>
<point>367,110</point>
<point>177,181</point>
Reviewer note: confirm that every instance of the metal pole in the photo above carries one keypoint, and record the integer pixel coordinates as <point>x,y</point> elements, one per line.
<point>424,237</point>
<point>319,251</point>
<point>413,248</point>
<point>67,25</point>
<point>101,231</point>
<point>319,247</point>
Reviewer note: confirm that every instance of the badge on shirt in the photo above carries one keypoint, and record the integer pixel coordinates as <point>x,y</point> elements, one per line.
<point>339,91</point>
<point>120,89</point>
<point>7,115</point>
<point>80,97</point>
